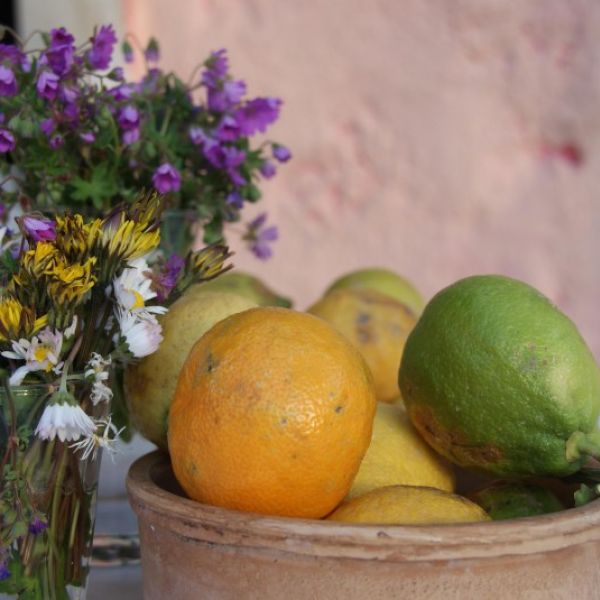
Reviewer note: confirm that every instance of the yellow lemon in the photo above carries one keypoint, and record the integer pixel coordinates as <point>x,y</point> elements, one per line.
<point>408,505</point>
<point>398,455</point>
<point>377,326</point>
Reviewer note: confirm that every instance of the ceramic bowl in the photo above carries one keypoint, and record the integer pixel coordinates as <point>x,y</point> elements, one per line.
<point>191,551</point>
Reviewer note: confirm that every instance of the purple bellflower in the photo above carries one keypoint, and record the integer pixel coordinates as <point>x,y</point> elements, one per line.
<point>166,179</point>
<point>103,42</point>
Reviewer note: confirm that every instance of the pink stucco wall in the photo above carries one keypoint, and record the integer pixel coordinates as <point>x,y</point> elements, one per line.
<point>440,138</point>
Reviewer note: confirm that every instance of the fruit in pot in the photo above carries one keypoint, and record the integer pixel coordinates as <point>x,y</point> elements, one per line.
<point>383,281</point>
<point>272,414</point>
<point>243,284</point>
<point>514,499</point>
<point>408,505</point>
<point>150,383</point>
<point>377,326</point>
<point>398,455</point>
<point>496,378</point>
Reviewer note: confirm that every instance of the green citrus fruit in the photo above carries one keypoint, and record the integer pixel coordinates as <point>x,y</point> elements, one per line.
<point>511,500</point>
<point>383,281</point>
<point>496,378</point>
<point>245,285</point>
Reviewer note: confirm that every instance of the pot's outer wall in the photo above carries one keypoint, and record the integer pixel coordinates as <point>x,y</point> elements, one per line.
<point>195,551</point>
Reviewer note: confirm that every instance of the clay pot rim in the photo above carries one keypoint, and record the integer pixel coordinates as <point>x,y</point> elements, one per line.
<point>192,520</point>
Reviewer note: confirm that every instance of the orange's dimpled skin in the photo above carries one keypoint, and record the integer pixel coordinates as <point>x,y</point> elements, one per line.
<point>272,414</point>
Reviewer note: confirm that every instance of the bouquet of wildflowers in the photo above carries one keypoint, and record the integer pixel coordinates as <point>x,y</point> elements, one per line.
<point>78,300</point>
<point>74,134</point>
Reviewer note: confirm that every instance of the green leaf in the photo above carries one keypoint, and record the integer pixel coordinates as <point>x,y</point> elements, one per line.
<point>99,188</point>
<point>213,231</point>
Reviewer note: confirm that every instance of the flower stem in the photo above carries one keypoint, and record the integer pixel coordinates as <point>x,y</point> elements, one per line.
<point>53,530</point>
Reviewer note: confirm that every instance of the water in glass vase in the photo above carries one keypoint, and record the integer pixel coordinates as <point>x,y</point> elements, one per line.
<point>47,504</point>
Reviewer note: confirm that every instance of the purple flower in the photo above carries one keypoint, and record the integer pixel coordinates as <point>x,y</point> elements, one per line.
<point>88,137</point>
<point>60,58</point>
<point>60,54</point>
<point>4,572</point>
<point>47,126</point>
<point>225,96</point>
<point>100,55</point>
<point>216,68</point>
<point>60,37</point>
<point>10,53</point>
<point>268,169</point>
<point>37,526</point>
<point>122,92</point>
<point>129,122</point>
<point>117,74</point>
<point>8,82</point>
<point>257,115</point>
<point>233,157</point>
<point>71,113</point>
<point>281,153</point>
<point>228,129</point>
<point>47,85</point>
<point>56,141</point>
<point>127,51</point>
<point>259,237</point>
<point>222,156</point>
<point>198,135</point>
<point>7,141</point>
<point>167,280</point>
<point>69,94</point>
<point>150,81</point>
<point>152,51</point>
<point>130,137</point>
<point>235,199</point>
<point>38,229</point>
<point>166,179</point>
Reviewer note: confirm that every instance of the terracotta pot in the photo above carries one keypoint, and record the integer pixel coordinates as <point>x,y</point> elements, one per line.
<point>190,550</point>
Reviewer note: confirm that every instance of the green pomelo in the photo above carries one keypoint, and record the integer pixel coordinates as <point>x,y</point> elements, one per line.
<point>496,378</point>
<point>242,284</point>
<point>513,500</point>
<point>150,384</point>
<point>383,281</point>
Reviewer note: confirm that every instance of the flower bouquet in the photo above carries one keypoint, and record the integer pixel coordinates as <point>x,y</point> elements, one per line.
<point>78,301</point>
<point>74,134</point>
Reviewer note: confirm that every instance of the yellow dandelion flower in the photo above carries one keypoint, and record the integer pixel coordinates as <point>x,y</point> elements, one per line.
<point>76,238</point>
<point>209,262</point>
<point>40,260</point>
<point>17,321</point>
<point>129,240</point>
<point>146,210</point>
<point>69,283</point>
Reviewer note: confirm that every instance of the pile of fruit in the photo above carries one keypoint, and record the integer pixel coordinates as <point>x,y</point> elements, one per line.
<point>372,407</point>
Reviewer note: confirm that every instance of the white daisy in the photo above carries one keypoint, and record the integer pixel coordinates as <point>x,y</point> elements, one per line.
<point>90,444</point>
<point>65,421</point>
<point>141,331</point>
<point>96,369</point>
<point>42,353</point>
<point>70,330</point>
<point>133,288</point>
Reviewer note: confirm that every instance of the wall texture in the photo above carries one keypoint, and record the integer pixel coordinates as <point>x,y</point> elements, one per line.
<point>440,138</point>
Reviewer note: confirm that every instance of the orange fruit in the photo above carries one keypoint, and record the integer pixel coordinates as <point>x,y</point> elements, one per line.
<point>377,326</point>
<point>272,413</point>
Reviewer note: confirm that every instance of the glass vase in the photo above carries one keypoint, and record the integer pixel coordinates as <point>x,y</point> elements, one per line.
<point>48,492</point>
<point>178,231</point>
